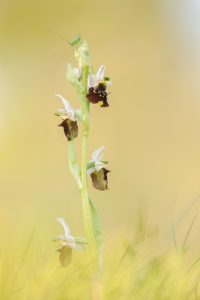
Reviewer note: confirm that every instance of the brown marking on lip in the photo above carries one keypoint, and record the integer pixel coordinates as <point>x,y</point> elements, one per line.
<point>100,179</point>
<point>70,128</point>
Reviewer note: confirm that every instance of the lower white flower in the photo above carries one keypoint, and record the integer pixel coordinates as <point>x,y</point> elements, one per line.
<point>68,244</point>
<point>67,239</point>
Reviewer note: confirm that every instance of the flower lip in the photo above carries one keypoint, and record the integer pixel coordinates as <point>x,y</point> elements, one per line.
<point>97,170</point>
<point>100,179</point>
<point>98,95</point>
<point>70,128</point>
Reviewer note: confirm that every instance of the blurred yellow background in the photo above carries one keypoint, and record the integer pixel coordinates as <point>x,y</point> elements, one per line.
<point>151,129</point>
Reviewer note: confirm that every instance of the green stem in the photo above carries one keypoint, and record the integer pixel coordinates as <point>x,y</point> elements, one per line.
<point>84,191</point>
<point>74,168</point>
<point>85,198</point>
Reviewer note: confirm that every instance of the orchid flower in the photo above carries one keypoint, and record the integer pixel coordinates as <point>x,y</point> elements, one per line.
<point>97,84</point>
<point>70,117</point>
<point>82,54</point>
<point>97,169</point>
<point>68,243</point>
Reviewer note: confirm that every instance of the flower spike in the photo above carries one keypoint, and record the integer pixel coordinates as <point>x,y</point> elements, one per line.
<point>90,88</point>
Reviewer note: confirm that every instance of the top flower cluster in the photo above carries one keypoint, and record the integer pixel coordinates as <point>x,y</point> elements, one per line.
<point>92,85</point>
<point>96,82</point>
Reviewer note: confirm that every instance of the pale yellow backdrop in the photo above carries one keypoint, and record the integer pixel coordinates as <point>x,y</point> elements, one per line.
<point>151,129</point>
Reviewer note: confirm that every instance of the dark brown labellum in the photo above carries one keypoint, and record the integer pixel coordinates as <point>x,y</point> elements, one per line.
<point>100,180</point>
<point>98,95</point>
<point>70,128</point>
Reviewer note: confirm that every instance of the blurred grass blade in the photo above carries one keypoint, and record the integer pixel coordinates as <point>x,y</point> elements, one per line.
<point>193,265</point>
<point>174,237</point>
<point>188,233</point>
<point>27,247</point>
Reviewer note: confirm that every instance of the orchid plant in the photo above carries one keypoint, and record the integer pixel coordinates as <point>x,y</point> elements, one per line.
<point>90,88</point>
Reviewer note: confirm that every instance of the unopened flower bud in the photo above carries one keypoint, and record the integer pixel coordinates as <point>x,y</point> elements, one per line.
<point>82,54</point>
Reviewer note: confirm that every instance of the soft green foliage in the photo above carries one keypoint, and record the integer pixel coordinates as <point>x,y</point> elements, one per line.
<point>31,271</point>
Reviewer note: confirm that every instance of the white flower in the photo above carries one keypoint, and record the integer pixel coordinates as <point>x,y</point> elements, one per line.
<point>72,114</point>
<point>96,161</point>
<point>95,79</point>
<point>67,239</point>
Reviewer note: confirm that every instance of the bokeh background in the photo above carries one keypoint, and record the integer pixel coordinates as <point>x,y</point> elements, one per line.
<point>151,50</point>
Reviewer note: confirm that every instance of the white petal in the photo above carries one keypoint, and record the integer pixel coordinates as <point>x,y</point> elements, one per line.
<point>92,81</point>
<point>80,247</point>
<point>61,111</point>
<point>65,226</point>
<point>67,106</point>
<point>60,238</point>
<point>100,73</point>
<point>81,240</point>
<point>99,165</point>
<point>97,155</point>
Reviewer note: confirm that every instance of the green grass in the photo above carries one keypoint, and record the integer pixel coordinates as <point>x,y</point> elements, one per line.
<point>133,269</point>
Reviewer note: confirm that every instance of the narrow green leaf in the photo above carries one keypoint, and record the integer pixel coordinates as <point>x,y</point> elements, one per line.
<point>57,114</point>
<point>98,234</point>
